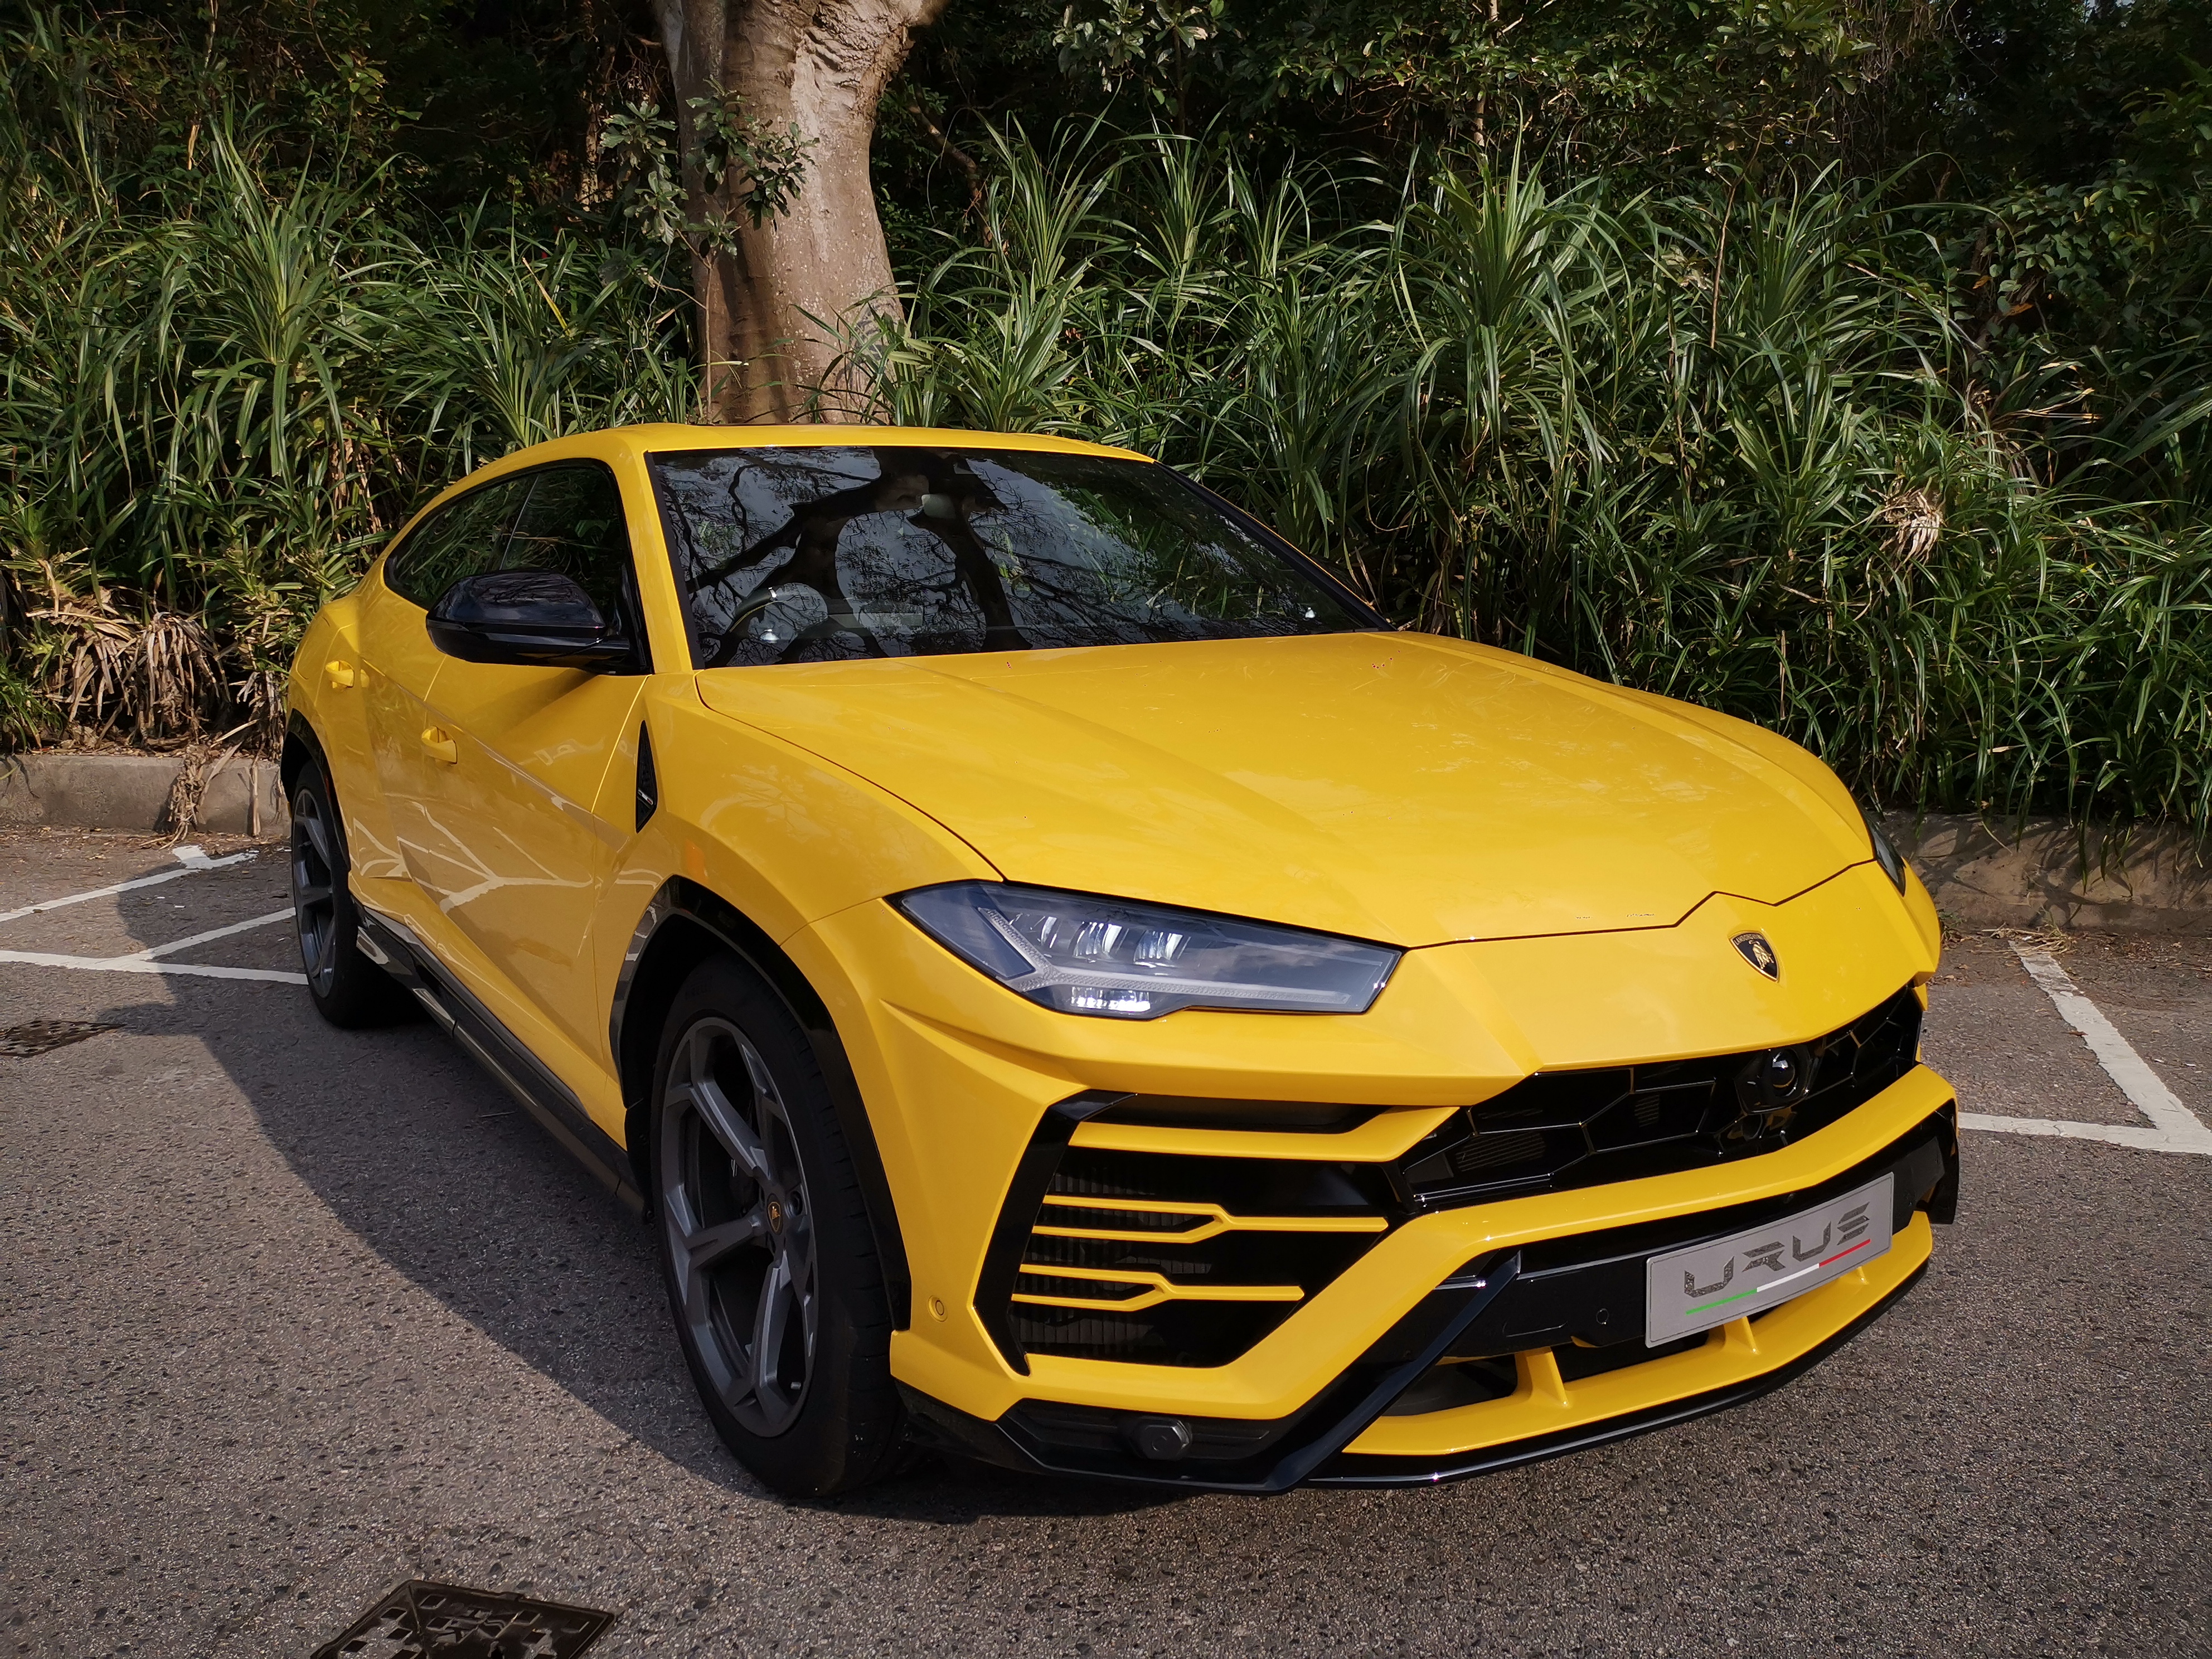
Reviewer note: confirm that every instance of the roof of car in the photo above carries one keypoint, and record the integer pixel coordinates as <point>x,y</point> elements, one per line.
<point>671,436</point>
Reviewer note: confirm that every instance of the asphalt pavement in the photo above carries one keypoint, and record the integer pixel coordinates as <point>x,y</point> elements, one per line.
<point>290,1315</point>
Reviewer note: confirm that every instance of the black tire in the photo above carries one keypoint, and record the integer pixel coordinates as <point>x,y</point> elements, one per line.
<point>764,1242</point>
<point>348,990</point>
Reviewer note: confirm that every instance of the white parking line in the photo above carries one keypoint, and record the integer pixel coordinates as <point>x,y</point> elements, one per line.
<point>144,965</point>
<point>148,954</point>
<point>2173,1127</point>
<point>192,861</point>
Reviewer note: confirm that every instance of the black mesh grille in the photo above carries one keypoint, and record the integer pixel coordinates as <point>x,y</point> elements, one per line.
<point>1094,1218</point>
<point>1564,1129</point>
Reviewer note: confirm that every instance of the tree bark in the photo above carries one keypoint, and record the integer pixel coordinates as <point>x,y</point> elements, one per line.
<point>775,316</point>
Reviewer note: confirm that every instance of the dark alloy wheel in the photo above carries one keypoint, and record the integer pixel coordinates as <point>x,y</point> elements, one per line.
<point>739,1226</point>
<point>765,1242</point>
<point>315,899</point>
<point>348,988</point>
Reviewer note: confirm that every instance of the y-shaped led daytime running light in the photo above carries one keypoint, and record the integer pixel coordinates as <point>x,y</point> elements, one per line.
<point>1118,959</point>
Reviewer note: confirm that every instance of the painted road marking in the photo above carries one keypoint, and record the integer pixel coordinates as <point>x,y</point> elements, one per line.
<point>191,859</point>
<point>148,955</point>
<point>2173,1127</point>
<point>143,965</point>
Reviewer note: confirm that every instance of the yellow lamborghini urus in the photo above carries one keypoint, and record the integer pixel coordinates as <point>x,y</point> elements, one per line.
<point>1069,986</point>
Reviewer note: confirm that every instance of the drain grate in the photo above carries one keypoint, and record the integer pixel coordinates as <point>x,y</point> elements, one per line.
<point>420,1619</point>
<point>21,1041</point>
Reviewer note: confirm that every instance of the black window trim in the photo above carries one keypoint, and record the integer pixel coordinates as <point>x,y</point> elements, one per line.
<point>1297,557</point>
<point>439,511</point>
<point>642,662</point>
<point>1289,552</point>
<point>681,581</point>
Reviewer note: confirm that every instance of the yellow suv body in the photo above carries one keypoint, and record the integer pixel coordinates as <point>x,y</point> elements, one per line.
<point>1072,987</point>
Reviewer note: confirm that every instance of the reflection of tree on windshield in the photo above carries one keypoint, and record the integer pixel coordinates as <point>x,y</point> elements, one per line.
<point>1045,550</point>
<point>943,495</point>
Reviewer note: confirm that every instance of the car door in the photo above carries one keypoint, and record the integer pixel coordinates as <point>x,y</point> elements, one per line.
<point>526,853</point>
<point>461,538</point>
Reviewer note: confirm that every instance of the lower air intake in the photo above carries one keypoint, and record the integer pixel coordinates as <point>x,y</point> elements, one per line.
<point>1178,1260</point>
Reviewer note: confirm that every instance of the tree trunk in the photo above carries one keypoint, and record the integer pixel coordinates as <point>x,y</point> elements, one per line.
<point>802,290</point>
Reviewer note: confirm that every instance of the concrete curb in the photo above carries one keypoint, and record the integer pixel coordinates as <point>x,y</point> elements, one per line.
<point>131,792</point>
<point>2042,874</point>
<point>2047,873</point>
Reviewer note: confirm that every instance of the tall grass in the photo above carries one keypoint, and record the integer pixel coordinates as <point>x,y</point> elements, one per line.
<point>222,384</point>
<point>1728,447</point>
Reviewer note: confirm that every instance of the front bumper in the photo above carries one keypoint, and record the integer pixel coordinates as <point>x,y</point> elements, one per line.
<point>963,1079</point>
<point>1349,1433</point>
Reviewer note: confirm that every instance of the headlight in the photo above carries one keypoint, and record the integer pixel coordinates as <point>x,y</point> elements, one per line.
<point>1121,960</point>
<point>1885,850</point>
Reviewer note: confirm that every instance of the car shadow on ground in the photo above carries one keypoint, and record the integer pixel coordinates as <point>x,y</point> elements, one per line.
<point>421,1155</point>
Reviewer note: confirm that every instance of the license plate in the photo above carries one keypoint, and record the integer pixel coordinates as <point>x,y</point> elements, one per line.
<point>1707,1284</point>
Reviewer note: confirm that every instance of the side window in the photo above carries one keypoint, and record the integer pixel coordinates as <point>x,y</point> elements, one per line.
<point>463,537</point>
<point>573,523</point>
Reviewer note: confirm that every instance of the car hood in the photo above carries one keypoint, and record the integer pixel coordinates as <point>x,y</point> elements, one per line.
<point>1393,787</point>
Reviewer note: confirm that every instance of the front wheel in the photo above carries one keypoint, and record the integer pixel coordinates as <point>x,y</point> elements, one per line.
<point>771,1269</point>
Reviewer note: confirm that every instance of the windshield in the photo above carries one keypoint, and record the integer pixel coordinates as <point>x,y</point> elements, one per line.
<point>823,554</point>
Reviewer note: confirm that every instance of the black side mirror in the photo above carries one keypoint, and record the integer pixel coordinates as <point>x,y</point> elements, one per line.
<point>537,617</point>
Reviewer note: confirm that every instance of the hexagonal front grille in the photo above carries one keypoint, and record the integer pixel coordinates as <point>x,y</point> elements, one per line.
<point>1558,1130</point>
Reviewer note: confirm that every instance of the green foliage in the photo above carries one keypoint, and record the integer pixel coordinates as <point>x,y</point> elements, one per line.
<point>224,383</point>
<point>741,163</point>
<point>1700,404</point>
<point>1667,88</point>
<point>27,715</point>
<point>1730,447</point>
<point>1150,43</point>
<point>456,102</point>
<point>2045,91</point>
<point>2119,268</point>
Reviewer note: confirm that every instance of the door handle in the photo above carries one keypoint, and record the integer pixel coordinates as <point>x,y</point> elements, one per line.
<point>339,673</point>
<point>439,745</point>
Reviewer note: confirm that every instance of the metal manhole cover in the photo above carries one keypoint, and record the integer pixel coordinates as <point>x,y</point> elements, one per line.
<point>21,1041</point>
<point>423,1620</point>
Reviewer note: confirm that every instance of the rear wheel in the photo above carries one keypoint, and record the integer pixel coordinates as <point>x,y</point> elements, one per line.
<point>348,988</point>
<point>770,1267</point>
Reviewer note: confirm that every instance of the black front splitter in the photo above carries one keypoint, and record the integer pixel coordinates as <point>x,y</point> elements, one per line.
<point>1308,1452</point>
<point>1366,1469</point>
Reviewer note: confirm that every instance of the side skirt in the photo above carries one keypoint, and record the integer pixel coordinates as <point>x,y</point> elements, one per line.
<point>393,947</point>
